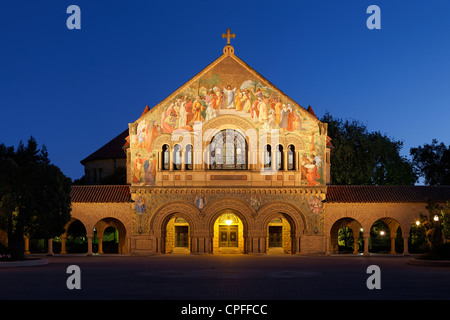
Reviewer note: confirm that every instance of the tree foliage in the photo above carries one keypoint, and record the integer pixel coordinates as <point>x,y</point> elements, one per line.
<point>432,161</point>
<point>361,157</point>
<point>34,195</point>
<point>437,229</point>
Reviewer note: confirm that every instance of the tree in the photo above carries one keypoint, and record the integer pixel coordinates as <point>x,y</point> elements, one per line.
<point>361,157</point>
<point>437,229</point>
<point>436,223</point>
<point>34,195</point>
<point>432,161</point>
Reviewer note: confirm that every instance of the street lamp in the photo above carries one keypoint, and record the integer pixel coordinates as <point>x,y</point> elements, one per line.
<point>381,233</point>
<point>436,218</point>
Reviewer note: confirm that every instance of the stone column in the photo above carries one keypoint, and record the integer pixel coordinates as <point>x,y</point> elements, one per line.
<point>262,245</point>
<point>89,239</point>
<point>50,247</point>
<point>405,245</point>
<point>392,244</point>
<point>27,245</point>
<point>100,245</point>
<point>285,160</point>
<point>355,245</point>
<point>183,162</point>
<point>63,244</point>
<point>170,159</point>
<point>366,244</point>
<point>194,244</point>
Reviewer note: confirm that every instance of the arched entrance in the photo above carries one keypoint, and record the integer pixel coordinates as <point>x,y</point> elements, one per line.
<point>279,236</point>
<point>346,236</point>
<point>228,233</point>
<point>177,237</point>
<point>111,235</point>
<point>280,226</point>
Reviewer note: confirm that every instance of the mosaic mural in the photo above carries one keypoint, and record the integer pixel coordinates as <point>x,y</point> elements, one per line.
<point>211,97</point>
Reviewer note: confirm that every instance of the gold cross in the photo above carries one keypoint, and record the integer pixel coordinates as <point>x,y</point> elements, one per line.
<point>228,35</point>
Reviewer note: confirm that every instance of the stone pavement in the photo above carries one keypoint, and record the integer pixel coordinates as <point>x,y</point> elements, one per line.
<point>227,276</point>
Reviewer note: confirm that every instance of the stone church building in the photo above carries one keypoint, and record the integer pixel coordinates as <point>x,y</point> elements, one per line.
<point>228,163</point>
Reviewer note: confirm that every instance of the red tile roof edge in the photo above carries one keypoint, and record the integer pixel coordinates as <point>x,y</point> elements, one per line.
<point>100,193</point>
<point>387,194</point>
<point>335,194</point>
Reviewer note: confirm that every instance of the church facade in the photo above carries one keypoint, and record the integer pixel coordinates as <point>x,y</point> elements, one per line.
<point>228,163</point>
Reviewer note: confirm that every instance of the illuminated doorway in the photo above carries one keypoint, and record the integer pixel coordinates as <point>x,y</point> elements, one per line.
<point>228,234</point>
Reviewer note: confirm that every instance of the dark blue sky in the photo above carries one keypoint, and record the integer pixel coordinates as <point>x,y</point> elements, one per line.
<point>74,90</point>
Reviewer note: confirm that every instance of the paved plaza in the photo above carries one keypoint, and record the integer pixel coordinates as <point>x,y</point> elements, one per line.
<point>230,277</point>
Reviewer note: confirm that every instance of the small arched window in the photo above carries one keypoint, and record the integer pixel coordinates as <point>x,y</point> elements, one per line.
<point>177,157</point>
<point>291,157</point>
<point>280,162</point>
<point>165,164</point>
<point>267,156</point>
<point>188,158</point>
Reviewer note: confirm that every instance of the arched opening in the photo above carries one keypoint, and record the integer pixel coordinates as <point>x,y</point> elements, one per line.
<point>165,164</point>
<point>76,241</point>
<point>346,236</point>
<point>109,235</point>
<point>177,239</point>
<point>291,157</point>
<point>267,157</point>
<point>279,158</point>
<point>189,157</point>
<point>177,157</point>
<point>279,236</point>
<point>110,240</point>
<point>386,237</point>
<point>228,234</point>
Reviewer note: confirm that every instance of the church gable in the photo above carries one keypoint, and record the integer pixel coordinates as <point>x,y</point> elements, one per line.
<point>228,86</point>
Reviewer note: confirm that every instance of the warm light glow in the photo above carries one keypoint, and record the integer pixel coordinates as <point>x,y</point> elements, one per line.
<point>228,222</point>
<point>436,218</point>
<point>381,233</point>
<point>417,222</point>
<point>361,229</point>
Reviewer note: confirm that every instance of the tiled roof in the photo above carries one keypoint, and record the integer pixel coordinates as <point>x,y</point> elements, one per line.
<point>387,193</point>
<point>112,150</point>
<point>368,194</point>
<point>106,193</point>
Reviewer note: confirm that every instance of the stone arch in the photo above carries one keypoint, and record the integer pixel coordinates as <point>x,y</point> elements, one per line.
<point>295,218</point>
<point>161,217</point>
<point>162,139</point>
<point>66,233</point>
<point>106,222</point>
<point>392,225</point>
<point>165,212</point>
<point>213,210</point>
<point>227,122</point>
<point>294,139</point>
<point>350,222</point>
<point>270,210</point>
